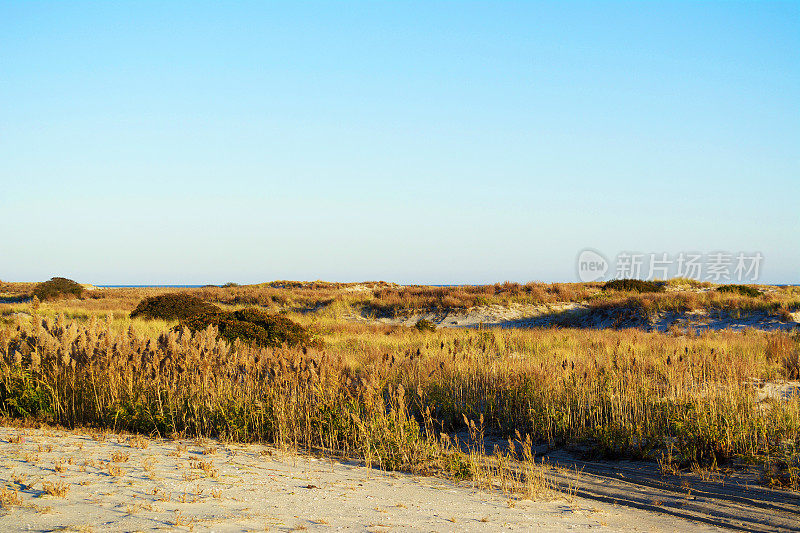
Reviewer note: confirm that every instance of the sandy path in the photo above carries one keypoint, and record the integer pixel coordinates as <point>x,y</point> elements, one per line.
<point>161,484</point>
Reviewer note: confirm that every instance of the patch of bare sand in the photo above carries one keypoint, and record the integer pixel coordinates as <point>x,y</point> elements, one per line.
<point>123,483</point>
<point>583,316</point>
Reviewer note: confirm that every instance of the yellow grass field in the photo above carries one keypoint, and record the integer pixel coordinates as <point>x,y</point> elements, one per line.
<point>395,396</point>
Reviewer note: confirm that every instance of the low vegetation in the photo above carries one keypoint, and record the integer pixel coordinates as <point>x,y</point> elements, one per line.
<point>379,299</point>
<point>172,306</point>
<point>393,300</point>
<point>634,285</point>
<point>252,326</point>
<point>57,288</point>
<point>744,290</point>
<point>425,325</point>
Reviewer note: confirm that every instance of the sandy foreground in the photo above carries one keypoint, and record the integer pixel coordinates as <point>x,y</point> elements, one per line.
<point>129,483</point>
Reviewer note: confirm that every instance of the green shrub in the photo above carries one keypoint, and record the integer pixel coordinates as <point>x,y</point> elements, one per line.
<point>744,290</point>
<point>253,326</point>
<point>425,325</point>
<point>230,285</point>
<point>634,285</point>
<point>172,306</point>
<point>58,288</point>
<point>688,282</point>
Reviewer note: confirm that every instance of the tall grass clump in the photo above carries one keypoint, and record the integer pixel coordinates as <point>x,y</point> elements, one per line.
<point>616,393</point>
<point>197,384</point>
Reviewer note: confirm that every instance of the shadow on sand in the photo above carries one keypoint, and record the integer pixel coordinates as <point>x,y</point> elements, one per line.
<point>735,499</point>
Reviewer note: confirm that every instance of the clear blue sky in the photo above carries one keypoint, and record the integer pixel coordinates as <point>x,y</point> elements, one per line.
<point>193,142</point>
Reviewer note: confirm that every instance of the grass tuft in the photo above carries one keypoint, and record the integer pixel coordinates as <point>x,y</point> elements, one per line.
<point>58,489</point>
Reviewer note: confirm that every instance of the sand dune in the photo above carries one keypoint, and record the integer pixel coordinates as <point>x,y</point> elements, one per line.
<point>584,316</point>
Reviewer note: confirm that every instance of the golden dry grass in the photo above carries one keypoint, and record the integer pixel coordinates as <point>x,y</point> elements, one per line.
<point>9,498</point>
<point>387,394</point>
<point>58,489</point>
<point>385,299</point>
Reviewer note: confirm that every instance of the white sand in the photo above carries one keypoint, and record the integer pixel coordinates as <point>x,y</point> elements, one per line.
<point>583,316</point>
<point>256,488</point>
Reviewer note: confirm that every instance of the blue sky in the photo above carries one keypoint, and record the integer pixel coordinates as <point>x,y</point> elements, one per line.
<point>453,142</point>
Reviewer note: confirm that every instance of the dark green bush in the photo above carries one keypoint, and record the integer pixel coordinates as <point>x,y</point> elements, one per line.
<point>58,288</point>
<point>253,326</point>
<point>230,285</point>
<point>634,285</point>
<point>425,325</point>
<point>172,306</point>
<point>744,290</point>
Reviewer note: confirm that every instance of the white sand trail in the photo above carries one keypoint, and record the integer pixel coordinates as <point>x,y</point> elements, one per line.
<point>123,483</point>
